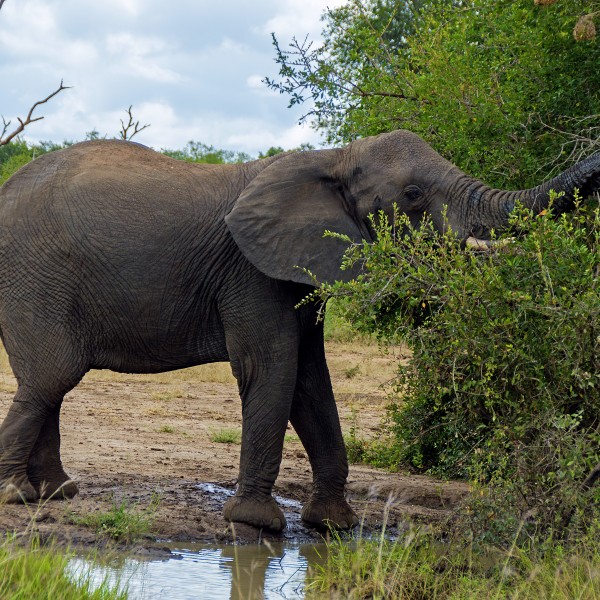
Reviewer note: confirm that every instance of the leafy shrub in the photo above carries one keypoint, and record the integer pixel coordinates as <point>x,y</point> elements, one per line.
<point>504,380</point>
<point>12,165</point>
<point>16,154</point>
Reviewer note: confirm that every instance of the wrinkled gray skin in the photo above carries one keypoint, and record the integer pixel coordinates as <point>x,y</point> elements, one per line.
<point>115,257</point>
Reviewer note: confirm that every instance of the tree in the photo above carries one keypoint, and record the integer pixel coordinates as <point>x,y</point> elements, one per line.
<point>502,88</point>
<point>6,136</point>
<point>132,128</point>
<point>203,153</point>
<point>362,42</point>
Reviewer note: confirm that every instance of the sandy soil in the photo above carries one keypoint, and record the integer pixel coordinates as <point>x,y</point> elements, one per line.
<point>130,437</point>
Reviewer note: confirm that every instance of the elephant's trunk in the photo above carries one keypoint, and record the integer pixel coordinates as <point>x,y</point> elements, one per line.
<point>490,208</point>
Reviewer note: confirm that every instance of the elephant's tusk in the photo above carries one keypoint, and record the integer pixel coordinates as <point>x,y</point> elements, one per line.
<point>486,245</point>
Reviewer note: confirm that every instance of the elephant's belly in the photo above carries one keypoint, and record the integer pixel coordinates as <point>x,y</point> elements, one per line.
<point>159,351</point>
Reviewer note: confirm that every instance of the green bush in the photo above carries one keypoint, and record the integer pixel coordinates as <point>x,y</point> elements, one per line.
<point>12,165</point>
<point>16,154</point>
<point>503,384</point>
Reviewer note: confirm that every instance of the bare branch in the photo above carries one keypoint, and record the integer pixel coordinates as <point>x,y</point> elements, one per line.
<point>29,118</point>
<point>5,126</point>
<point>580,140</point>
<point>132,128</point>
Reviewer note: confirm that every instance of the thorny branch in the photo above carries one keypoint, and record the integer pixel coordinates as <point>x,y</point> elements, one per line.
<point>132,128</point>
<point>4,138</point>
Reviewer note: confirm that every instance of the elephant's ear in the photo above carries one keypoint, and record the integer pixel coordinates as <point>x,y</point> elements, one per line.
<point>279,219</point>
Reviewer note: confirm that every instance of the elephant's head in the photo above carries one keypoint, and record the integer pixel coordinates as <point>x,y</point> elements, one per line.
<point>279,219</point>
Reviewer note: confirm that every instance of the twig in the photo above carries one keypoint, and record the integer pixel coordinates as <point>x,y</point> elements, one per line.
<point>126,133</point>
<point>29,118</point>
<point>576,144</point>
<point>591,479</point>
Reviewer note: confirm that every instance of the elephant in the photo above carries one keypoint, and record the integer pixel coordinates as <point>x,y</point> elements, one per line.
<point>114,256</point>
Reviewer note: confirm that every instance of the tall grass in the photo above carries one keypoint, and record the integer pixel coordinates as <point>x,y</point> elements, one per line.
<point>33,572</point>
<point>421,567</point>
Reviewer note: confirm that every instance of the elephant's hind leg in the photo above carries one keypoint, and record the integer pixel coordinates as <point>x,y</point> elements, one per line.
<point>30,464</point>
<point>315,418</point>
<point>44,469</point>
<point>18,434</point>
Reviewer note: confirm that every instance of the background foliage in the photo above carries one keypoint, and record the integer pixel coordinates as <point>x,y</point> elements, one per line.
<point>500,87</point>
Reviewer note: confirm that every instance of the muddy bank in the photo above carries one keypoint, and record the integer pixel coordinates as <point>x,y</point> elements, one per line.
<point>134,438</point>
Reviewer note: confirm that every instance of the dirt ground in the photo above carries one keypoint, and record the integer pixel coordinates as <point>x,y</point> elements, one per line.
<point>135,437</point>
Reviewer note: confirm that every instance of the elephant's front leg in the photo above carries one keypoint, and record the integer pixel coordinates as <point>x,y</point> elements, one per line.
<point>266,375</point>
<point>315,418</point>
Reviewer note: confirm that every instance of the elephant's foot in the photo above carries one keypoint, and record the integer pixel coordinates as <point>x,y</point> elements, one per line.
<point>53,483</point>
<point>258,512</point>
<point>57,490</point>
<point>329,513</point>
<point>46,473</point>
<point>17,489</point>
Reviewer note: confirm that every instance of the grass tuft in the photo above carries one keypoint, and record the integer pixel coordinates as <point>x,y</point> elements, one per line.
<point>226,436</point>
<point>166,429</point>
<point>123,523</point>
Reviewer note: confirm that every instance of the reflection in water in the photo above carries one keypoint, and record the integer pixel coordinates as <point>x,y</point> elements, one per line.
<point>209,572</point>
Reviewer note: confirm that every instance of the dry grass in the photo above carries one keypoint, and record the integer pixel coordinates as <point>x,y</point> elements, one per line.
<point>359,371</point>
<point>211,373</point>
<point>343,357</point>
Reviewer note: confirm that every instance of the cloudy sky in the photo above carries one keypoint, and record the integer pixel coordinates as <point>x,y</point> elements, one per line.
<point>190,68</point>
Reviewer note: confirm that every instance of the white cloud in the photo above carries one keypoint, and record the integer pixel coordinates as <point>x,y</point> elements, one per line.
<point>191,70</point>
<point>245,134</point>
<point>291,137</point>
<point>139,55</point>
<point>299,18</point>
<point>130,7</point>
<point>255,82</point>
<point>31,33</point>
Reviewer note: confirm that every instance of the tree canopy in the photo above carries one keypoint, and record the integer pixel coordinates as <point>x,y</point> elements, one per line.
<point>506,89</point>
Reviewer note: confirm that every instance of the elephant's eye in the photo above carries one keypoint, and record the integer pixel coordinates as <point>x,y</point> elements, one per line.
<point>413,193</point>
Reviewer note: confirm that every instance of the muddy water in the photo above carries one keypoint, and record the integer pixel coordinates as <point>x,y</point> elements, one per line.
<point>251,572</point>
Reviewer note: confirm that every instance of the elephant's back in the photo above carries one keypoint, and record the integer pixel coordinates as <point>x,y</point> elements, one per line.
<point>111,210</point>
<point>112,191</point>
<point>113,175</point>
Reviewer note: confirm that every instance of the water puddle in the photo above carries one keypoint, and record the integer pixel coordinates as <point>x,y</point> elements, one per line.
<point>218,491</point>
<point>251,572</point>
